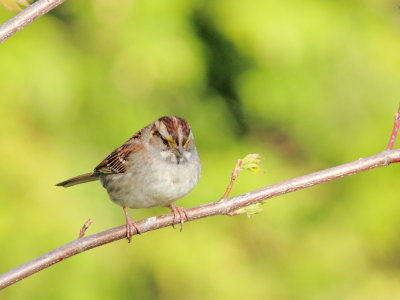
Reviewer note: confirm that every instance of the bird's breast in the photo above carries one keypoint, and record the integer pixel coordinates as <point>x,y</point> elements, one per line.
<point>152,184</point>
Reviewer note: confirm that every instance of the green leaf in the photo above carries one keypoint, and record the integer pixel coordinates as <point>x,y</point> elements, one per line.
<point>252,162</point>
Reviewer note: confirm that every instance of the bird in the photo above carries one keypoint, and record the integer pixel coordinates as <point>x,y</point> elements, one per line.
<point>158,165</point>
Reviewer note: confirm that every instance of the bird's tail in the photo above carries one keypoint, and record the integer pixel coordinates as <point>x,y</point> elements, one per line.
<point>79,179</point>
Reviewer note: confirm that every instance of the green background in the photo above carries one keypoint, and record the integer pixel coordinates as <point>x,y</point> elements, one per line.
<point>307,84</point>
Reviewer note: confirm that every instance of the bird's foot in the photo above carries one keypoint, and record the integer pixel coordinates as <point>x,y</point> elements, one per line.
<point>179,214</point>
<point>131,227</point>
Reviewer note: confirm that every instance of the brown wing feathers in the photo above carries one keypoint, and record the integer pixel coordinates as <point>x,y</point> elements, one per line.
<point>116,161</point>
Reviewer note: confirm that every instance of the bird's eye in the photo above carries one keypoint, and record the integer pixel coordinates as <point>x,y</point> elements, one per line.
<point>165,142</point>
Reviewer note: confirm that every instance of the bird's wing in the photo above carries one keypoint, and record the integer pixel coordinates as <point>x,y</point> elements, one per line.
<point>116,162</point>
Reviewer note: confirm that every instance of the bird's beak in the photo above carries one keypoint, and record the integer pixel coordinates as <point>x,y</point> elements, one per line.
<point>179,151</point>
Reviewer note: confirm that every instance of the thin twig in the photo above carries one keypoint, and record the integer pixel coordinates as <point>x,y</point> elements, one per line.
<point>395,130</point>
<point>250,162</point>
<point>235,174</point>
<point>84,228</point>
<point>27,16</point>
<point>211,209</point>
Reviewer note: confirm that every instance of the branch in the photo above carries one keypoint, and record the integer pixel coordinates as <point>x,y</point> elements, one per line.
<point>207,210</point>
<point>27,16</point>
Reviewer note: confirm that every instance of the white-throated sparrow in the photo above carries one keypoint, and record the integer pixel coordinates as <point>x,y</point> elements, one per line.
<point>155,167</point>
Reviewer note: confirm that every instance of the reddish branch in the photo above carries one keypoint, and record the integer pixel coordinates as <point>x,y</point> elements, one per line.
<point>211,209</point>
<point>395,130</point>
<point>235,174</point>
<point>27,16</point>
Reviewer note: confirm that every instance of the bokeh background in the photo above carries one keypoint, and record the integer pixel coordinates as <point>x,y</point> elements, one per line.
<point>307,84</point>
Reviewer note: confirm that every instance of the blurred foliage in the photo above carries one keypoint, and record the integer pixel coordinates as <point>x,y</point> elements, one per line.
<point>308,84</point>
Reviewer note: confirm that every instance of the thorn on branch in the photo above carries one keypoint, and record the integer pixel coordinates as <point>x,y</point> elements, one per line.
<point>84,228</point>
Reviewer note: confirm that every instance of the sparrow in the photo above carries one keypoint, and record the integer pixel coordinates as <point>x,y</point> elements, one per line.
<point>157,166</point>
